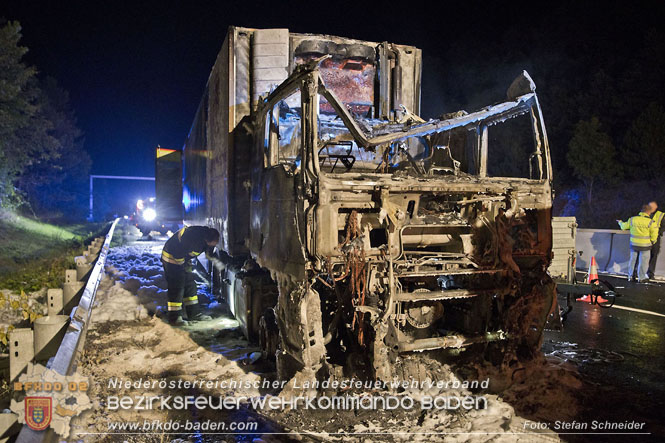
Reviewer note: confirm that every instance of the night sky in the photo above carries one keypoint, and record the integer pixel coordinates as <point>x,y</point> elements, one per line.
<point>136,70</point>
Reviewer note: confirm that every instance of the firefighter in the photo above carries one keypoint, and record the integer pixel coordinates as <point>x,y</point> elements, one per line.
<point>657,217</point>
<point>643,234</point>
<point>177,255</point>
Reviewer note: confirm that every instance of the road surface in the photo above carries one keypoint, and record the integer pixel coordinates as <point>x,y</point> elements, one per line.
<point>620,351</point>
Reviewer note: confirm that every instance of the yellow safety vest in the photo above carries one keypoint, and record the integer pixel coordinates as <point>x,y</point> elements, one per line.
<point>643,231</point>
<point>658,218</point>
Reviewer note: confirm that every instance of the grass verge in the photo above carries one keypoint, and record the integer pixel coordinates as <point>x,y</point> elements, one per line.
<point>34,255</point>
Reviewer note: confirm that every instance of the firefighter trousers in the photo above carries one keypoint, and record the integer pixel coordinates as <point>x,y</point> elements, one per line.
<point>182,290</point>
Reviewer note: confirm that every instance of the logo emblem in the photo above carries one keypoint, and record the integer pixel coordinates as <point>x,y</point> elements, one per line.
<point>38,412</point>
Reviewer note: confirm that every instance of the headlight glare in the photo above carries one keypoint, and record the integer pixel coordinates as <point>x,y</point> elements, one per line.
<point>149,214</point>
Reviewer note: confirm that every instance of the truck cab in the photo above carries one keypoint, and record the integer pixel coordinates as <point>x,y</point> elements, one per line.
<point>361,236</point>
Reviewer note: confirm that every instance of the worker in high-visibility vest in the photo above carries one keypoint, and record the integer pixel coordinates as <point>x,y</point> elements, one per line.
<point>657,217</point>
<point>643,234</point>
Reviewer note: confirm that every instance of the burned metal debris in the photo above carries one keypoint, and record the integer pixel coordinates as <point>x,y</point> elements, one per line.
<point>377,236</point>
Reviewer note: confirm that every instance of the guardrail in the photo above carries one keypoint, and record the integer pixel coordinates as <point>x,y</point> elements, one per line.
<point>65,360</point>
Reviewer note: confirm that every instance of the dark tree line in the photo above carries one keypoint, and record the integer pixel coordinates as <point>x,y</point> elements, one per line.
<point>603,97</point>
<point>43,166</point>
<point>600,86</point>
<point>617,146</point>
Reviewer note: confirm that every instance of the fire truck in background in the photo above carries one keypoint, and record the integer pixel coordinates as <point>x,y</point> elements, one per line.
<point>145,217</point>
<point>163,212</point>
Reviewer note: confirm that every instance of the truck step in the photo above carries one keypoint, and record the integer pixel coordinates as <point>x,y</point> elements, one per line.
<point>450,341</point>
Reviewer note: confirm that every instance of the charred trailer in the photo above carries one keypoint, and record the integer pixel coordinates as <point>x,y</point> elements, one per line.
<point>358,236</point>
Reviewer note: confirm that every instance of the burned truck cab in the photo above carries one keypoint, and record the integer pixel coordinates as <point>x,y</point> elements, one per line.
<point>394,237</point>
<point>357,235</point>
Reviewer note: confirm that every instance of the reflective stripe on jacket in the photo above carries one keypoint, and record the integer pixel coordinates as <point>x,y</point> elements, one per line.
<point>657,217</point>
<point>186,244</point>
<point>643,231</point>
<point>171,259</point>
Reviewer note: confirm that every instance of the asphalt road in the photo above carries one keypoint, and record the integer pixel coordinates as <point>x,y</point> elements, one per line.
<point>621,354</point>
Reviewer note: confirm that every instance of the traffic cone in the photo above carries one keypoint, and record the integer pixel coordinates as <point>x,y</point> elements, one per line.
<point>593,275</point>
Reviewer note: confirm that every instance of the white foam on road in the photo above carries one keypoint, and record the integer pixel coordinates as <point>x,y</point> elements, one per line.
<point>150,349</point>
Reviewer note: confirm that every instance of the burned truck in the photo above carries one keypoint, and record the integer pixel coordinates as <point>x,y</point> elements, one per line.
<point>357,235</point>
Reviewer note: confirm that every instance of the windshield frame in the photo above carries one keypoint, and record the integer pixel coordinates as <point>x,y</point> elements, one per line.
<point>477,121</point>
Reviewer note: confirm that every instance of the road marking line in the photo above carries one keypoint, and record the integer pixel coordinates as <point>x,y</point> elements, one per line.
<point>639,310</point>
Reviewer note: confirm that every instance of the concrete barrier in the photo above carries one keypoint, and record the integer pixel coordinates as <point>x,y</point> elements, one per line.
<point>611,249</point>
